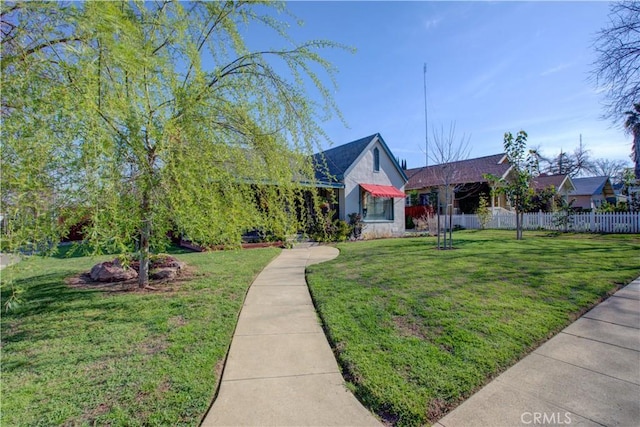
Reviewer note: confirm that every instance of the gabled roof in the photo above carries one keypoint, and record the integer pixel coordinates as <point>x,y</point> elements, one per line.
<point>467,172</point>
<point>341,158</point>
<point>591,185</point>
<point>557,181</point>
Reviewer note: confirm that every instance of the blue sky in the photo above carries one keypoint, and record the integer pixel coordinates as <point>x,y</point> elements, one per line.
<point>491,67</point>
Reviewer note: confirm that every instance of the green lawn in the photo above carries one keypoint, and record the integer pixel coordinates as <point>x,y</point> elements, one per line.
<point>418,330</point>
<point>84,357</point>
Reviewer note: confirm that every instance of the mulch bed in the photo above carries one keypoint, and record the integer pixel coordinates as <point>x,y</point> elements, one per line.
<point>84,281</point>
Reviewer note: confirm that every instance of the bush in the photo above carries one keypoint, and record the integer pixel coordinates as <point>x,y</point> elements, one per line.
<point>327,229</point>
<point>484,213</point>
<point>355,225</point>
<point>607,207</point>
<point>408,223</point>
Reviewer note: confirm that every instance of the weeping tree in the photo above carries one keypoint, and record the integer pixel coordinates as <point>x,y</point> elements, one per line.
<point>143,117</point>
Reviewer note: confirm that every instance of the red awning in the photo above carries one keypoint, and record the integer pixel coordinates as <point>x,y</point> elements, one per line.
<point>383,190</point>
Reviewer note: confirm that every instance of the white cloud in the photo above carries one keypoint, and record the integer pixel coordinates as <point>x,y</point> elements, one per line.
<point>554,70</point>
<point>430,23</point>
<point>484,81</point>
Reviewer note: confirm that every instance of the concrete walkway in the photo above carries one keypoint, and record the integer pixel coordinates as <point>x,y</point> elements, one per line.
<point>7,260</point>
<point>587,375</point>
<point>280,369</point>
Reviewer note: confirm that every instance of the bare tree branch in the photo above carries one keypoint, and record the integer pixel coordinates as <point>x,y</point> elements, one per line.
<point>617,68</point>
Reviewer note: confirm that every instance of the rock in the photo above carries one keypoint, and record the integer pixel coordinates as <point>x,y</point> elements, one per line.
<point>178,265</point>
<point>166,273</point>
<point>111,271</point>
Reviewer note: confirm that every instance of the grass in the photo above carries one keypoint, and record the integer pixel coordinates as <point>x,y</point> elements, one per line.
<point>418,330</point>
<point>85,357</point>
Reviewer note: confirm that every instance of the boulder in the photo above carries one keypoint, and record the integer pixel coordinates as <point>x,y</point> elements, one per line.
<point>166,273</point>
<point>112,271</point>
<point>175,264</point>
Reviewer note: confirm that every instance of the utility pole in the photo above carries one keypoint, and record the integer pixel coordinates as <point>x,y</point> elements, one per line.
<point>426,126</point>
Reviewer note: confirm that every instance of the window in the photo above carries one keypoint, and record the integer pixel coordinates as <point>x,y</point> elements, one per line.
<point>377,208</point>
<point>376,160</point>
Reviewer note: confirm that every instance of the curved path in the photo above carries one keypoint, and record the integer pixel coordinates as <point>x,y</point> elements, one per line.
<point>280,369</point>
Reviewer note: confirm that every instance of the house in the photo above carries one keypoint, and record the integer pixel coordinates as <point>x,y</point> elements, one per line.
<point>364,177</point>
<point>466,176</point>
<point>562,185</point>
<point>592,192</point>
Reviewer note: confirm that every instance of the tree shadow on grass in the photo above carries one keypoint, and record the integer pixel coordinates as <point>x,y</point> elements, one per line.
<point>41,293</point>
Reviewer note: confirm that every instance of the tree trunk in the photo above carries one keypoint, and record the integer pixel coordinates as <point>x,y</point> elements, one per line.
<point>519,220</point>
<point>636,153</point>
<point>438,225</point>
<point>451,226</point>
<point>444,225</point>
<point>143,273</point>
<point>145,237</point>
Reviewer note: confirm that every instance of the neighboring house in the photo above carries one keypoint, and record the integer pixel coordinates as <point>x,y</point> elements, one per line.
<point>561,183</point>
<point>592,192</point>
<point>618,189</point>
<point>364,177</point>
<point>467,177</point>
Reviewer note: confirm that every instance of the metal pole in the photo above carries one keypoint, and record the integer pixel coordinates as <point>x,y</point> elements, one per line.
<point>426,126</point>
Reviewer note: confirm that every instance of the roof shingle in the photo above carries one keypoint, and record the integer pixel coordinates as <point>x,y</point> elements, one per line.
<point>544,181</point>
<point>466,172</point>
<point>589,186</point>
<point>338,159</point>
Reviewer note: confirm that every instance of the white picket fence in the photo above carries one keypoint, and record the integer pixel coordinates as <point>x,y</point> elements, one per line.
<point>590,222</point>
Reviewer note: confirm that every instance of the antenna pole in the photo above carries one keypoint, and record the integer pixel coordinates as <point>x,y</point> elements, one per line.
<point>426,126</point>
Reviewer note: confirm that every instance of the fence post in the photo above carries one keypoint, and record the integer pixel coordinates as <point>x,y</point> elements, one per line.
<point>592,221</point>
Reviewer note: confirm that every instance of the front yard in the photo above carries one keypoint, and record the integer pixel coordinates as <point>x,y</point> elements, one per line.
<point>417,330</point>
<point>87,357</point>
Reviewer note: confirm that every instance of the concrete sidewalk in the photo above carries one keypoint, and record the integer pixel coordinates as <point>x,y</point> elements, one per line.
<point>280,369</point>
<point>587,375</point>
<point>8,259</point>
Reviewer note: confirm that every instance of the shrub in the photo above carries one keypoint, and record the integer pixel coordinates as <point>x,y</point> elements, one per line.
<point>408,223</point>
<point>484,213</point>
<point>356,225</point>
<point>327,229</point>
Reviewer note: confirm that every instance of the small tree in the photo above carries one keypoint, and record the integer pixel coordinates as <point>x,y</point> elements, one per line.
<point>563,215</point>
<point>517,185</point>
<point>446,152</point>
<point>483,212</point>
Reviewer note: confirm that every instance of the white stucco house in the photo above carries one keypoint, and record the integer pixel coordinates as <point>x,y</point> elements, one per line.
<point>364,177</point>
